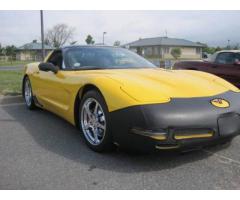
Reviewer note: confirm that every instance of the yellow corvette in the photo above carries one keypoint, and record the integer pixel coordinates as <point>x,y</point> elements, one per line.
<point>117,97</point>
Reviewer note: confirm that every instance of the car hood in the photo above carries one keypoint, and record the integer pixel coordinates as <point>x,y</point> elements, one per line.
<point>154,85</point>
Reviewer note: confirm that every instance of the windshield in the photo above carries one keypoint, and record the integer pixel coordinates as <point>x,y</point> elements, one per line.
<point>103,58</point>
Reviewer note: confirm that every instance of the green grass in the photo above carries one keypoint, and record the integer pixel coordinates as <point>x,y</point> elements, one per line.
<point>13,63</point>
<point>10,82</point>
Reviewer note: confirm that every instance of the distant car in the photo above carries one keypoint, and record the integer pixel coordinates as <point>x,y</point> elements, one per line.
<point>117,97</point>
<point>225,64</point>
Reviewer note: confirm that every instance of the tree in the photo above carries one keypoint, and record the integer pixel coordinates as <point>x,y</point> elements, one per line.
<point>1,49</point>
<point>176,52</point>
<point>218,49</point>
<point>10,50</point>
<point>46,41</point>
<point>117,43</point>
<point>89,40</point>
<point>59,35</point>
<point>209,50</point>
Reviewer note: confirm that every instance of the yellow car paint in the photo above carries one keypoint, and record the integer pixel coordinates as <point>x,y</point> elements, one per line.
<point>121,88</point>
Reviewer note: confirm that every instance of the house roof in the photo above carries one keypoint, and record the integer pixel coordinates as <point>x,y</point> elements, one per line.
<point>34,46</point>
<point>163,41</point>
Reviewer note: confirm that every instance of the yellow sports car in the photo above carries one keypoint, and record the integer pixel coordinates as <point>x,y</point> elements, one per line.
<point>118,98</point>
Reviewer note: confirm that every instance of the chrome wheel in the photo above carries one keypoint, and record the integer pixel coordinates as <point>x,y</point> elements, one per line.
<point>93,121</point>
<point>28,92</point>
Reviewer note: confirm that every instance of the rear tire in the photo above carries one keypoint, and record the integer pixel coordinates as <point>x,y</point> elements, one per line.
<point>27,94</point>
<point>94,122</point>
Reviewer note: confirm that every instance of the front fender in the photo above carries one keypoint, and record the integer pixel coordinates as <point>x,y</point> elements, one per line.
<point>111,90</point>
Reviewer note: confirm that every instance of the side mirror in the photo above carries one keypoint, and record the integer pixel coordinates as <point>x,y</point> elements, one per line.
<point>48,67</point>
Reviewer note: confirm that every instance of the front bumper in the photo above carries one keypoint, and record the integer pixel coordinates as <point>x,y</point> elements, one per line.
<point>185,122</point>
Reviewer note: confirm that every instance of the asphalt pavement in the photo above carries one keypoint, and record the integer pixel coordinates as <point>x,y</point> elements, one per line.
<point>39,150</point>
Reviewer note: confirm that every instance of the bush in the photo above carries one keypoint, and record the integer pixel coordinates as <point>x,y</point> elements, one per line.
<point>176,53</point>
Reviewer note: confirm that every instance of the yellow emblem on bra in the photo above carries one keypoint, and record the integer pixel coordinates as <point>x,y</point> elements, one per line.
<point>221,103</point>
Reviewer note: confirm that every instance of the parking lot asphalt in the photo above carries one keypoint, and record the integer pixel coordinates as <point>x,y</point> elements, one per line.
<point>39,150</point>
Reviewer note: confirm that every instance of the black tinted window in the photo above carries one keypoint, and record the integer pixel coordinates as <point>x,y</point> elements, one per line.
<point>237,56</point>
<point>103,58</point>
<point>225,58</point>
<point>56,59</point>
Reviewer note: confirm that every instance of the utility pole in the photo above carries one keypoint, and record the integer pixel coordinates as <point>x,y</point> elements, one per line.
<point>42,35</point>
<point>166,32</point>
<point>103,36</point>
<point>228,44</point>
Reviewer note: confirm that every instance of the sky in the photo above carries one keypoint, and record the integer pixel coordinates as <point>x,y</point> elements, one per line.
<point>212,27</point>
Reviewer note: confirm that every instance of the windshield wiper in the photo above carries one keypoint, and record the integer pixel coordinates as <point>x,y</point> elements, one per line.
<point>87,68</point>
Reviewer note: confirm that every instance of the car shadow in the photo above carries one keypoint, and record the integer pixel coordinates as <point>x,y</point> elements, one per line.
<point>58,136</point>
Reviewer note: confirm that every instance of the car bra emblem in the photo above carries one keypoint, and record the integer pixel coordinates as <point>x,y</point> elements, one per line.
<point>221,103</point>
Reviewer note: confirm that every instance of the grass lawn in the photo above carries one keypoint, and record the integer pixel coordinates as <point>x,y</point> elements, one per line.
<point>10,82</point>
<point>13,63</point>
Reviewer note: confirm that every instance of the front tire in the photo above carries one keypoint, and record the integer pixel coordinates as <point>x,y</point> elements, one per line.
<point>27,94</point>
<point>94,122</point>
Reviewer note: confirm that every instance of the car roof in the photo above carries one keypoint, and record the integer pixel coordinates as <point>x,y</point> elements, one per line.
<point>231,51</point>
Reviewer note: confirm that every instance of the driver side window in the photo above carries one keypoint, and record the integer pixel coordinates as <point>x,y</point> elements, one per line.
<point>56,58</point>
<point>237,56</point>
<point>225,58</point>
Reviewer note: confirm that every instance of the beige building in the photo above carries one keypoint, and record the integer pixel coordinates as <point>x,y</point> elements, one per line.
<point>32,51</point>
<point>160,48</point>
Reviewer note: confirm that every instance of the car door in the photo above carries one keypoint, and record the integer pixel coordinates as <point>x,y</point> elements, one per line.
<point>236,68</point>
<point>224,66</point>
<point>51,92</point>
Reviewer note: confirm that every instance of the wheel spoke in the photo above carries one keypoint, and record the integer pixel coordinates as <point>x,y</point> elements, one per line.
<point>95,133</point>
<point>95,109</point>
<point>89,114</point>
<point>99,125</point>
<point>86,126</point>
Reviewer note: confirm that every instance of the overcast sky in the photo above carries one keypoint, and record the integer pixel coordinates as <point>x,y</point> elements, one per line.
<point>211,27</point>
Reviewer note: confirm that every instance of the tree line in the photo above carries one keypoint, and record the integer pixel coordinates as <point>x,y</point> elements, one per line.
<point>62,34</point>
<point>9,50</point>
<point>212,50</point>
